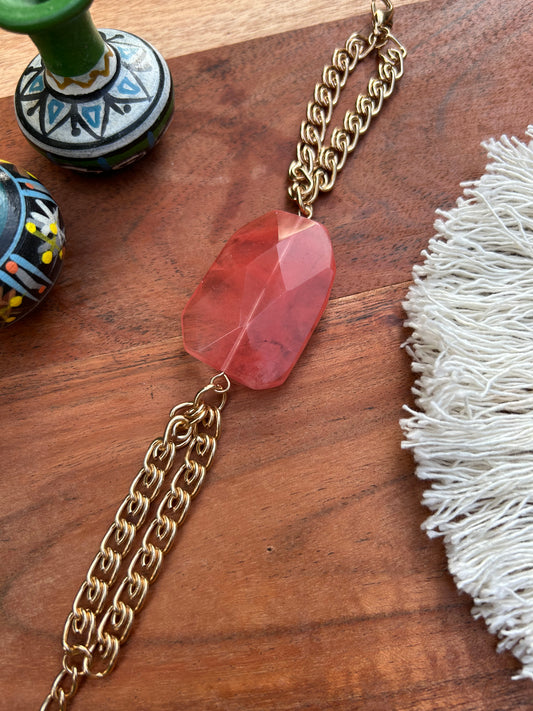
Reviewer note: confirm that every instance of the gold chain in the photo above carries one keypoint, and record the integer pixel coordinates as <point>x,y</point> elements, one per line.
<point>96,627</point>
<point>104,609</point>
<point>317,165</point>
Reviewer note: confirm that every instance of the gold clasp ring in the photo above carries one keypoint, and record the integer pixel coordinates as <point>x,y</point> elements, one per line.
<point>382,16</point>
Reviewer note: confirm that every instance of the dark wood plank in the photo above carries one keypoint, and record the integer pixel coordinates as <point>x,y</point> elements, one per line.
<point>302,579</point>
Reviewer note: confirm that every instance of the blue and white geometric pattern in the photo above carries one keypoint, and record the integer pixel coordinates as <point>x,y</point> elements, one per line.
<point>66,124</point>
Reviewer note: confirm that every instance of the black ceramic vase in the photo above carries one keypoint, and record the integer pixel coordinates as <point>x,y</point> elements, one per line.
<point>32,243</point>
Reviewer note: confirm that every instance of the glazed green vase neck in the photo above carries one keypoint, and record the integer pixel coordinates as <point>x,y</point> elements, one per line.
<point>71,48</point>
<point>62,31</point>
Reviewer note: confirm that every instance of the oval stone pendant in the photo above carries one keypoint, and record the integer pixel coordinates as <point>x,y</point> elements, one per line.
<point>260,301</point>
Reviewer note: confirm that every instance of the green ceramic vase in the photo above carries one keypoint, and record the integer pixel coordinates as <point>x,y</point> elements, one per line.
<point>92,100</point>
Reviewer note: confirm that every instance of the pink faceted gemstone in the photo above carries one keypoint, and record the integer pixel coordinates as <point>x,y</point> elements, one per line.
<point>261,300</point>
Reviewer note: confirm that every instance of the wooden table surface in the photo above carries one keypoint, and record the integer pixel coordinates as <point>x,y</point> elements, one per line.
<point>301,579</point>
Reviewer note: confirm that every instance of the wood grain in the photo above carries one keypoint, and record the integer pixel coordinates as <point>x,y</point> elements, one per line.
<point>179,28</point>
<point>302,579</point>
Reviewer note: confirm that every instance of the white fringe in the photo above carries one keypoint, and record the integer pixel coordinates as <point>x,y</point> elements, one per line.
<point>470,310</point>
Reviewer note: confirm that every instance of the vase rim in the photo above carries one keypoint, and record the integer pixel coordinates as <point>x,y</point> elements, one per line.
<point>30,16</point>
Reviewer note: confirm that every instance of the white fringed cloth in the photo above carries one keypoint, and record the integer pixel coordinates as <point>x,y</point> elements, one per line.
<point>470,315</point>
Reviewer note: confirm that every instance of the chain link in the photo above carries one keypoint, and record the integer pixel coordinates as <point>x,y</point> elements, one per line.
<point>94,633</point>
<point>317,164</point>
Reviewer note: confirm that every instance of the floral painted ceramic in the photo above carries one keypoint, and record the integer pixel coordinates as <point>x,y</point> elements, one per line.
<point>32,243</point>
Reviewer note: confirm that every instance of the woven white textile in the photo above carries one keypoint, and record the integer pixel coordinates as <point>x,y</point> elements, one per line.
<point>470,311</point>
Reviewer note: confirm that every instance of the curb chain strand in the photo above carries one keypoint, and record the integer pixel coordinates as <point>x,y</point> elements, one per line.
<point>317,165</point>
<point>94,633</point>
